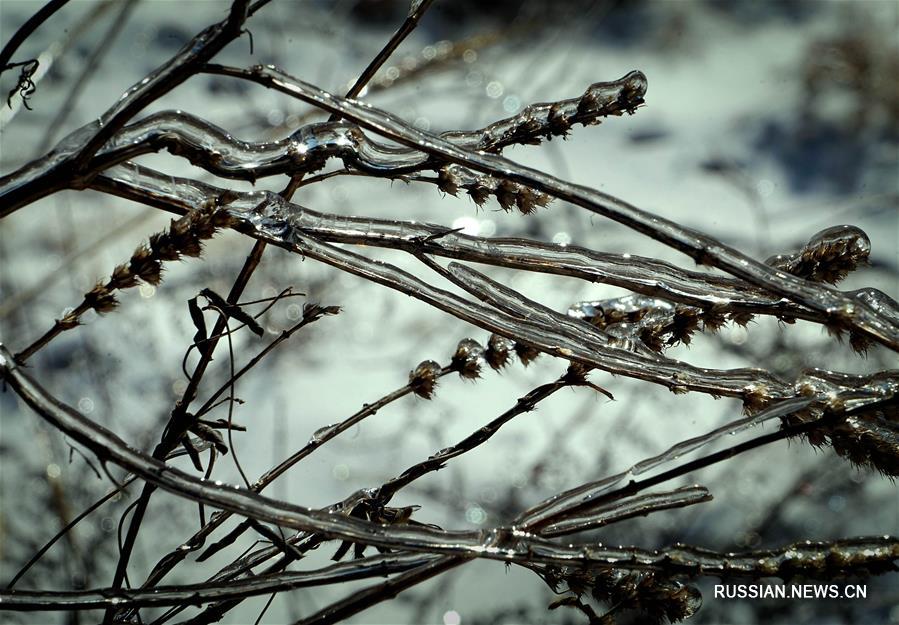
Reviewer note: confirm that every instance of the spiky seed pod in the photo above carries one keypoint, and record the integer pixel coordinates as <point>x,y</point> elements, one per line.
<point>558,122</point>
<point>121,278</point>
<point>68,322</point>
<point>447,181</point>
<point>589,102</point>
<point>868,441</point>
<point>828,256</point>
<point>526,354</point>
<point>163,247</point>
<point>859,342</point>
<point>313,311</point>
<point>423,379</point>
<point>182,226</point>
<point>478,194</point>
<point>221,218</point>
<point>190,246</point>
<point>755,397</point>
<point>684,323</point>
<point>203,224</point>
<point>525,200</point>
<point>499,351</point>
<point>534,198</point>
<point>100,299</point>
<point>652,338</point>
<point>506,192</point>
<point>183,238</point>
<point>529,128</point>
<point>145,266</point>
<point>741,318</point>
<point>467,359</point>
<point>509,194</point>
<point>712,320</point>
<point>657,598</point>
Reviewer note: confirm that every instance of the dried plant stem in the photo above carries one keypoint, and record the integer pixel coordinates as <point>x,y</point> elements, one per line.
<point>178,422</point>
<point>416,11</point>
<point>184,237</point>
<point>24,31</point>
<point>367,597</point>
<point>250,265</point>
<point>196,594</point>
<point>842,311</point>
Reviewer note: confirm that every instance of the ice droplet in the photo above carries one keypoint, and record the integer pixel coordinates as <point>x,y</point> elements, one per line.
<point>322,434</point>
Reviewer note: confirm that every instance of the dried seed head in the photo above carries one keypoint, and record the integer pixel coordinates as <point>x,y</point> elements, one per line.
<point>755,397</point>
<point>684,323</point>
<point>528,127</point>
<point>467,359</point>
<point>528,200</point>
<point>478,193</point>
<point>221,218</point>
<point>652,338</point>
<point>190,245</point>
<point>828,256</point>
<point>859,342</point>
<point>588,104</point>
<point>526,354</point>
<point>163,246</point>
<point>499,351</point>
<point>68,322</point>
<point>121,278</point>
<point>100,299</point>
<point>144,266</point>
<point>559,124</point>
<point>506,192</point>
<point>423,379</point>
<point>447,181</point>
<point>313,311</point>
<point>180,227</point>
<point>202,224</point>
<point>712,320</point>
<point>741,318</point>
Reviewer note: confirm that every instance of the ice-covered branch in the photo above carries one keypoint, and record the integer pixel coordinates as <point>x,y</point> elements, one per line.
<point>68,165</point>
<point>843,312</point>
<point>871,555</point>
<point>306,150</point>
<point>713,295</point>
<point>198,594</point>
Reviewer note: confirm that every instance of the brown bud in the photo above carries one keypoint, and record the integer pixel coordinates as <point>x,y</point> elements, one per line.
<point>506,194</point>
<point>478,193</point>
<point>121,278</point>
<point>498,351</point>
<point>526,354</point>
<point>467,359</point>
<point>100,299</point>
<point>447,181</point>
<point>423,379</point>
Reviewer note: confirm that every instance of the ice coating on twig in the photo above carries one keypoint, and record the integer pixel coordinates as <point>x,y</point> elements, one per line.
<point>545,120</point>
<point>842,311</point>
<point>65,165</point>
<point>507,544</point>
<point>645,275</point>
<point>828,256</point>
<point>559,504</point>
<point>626,508</point>
<point>216,150</point>
<point>185,594</point>
<point>285,224</point>
<point>649,319</point>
